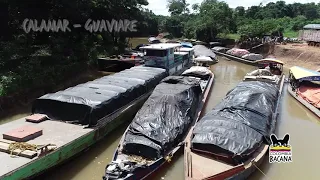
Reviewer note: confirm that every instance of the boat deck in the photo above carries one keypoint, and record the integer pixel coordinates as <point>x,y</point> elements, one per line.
<point>217,170</point>
<point>53,132</point>
<point>312,108</point>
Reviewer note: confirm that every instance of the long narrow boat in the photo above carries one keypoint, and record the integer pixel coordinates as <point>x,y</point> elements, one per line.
<point>65,123</point>
<point>231,140</point>
<point>160,127</point>
<point>304,86</point>
<point>236,58</point>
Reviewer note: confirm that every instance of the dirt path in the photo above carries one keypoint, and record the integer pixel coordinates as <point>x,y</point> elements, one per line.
<point>298,55</point>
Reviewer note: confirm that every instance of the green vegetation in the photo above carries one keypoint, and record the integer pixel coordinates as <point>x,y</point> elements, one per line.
<point>212,18</point>
<point>134,42</point>
<point>291,34</point>
<point>229,36</point>
<point>40,60</point>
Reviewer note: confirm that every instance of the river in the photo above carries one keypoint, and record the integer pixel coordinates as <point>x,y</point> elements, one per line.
<point>295,119</point>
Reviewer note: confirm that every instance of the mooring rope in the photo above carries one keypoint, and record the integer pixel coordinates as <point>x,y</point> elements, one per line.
<point>22,146</point>
<point>260,170</point>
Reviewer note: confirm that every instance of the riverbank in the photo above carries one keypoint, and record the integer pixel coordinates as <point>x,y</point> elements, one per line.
<point>298,55</point>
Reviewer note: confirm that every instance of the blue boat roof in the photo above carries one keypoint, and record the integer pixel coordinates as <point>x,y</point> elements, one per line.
<point>186,44</point>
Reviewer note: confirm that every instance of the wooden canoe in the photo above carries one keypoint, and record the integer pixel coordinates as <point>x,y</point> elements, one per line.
<point>204,167</point>
<point>235,58</point>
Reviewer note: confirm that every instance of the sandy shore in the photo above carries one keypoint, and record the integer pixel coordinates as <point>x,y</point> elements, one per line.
<point>298,55</point>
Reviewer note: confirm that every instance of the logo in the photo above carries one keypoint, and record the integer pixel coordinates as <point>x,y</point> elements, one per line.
<point>90,25</point>
<point>280,151</point>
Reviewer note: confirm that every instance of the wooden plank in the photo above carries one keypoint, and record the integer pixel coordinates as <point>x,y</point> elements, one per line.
<point>27,153</point>
<point>6,141</point>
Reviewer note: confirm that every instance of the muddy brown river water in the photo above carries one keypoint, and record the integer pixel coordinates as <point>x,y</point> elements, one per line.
<point>295,119</point>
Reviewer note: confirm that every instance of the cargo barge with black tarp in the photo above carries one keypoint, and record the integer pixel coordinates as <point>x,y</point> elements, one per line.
<point>159,128</point>
<point>67,122</point>
<point>223,52</point>
<point>232,139</point>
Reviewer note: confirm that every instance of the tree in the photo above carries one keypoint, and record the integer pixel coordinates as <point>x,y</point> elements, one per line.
<point>195,7</point>
<point>253,11</point>
<point>240,11</point>
<point>215,18</point>
<point>177,7</point>
<point>311,11</point>
<point>38,59</point>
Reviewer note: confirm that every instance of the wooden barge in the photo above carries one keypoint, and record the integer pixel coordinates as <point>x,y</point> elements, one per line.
<point>67,122</point>
<point>209,153</point>
<point>142,143</point>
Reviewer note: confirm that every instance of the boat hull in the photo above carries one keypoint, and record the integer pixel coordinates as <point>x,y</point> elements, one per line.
<point>313,109</point>
<point>154,167</point>
<point>239,172</point>
<point>235,58</point>
<point>64,153</point>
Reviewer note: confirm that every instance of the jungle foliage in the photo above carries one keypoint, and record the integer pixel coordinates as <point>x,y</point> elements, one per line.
<point>211,18</point>
<point>40,59</point>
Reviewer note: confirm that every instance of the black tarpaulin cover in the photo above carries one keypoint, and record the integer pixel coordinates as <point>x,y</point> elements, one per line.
<point>164,119</point>
<point>87,103</point>
<point>201,50</point>
<point>238,125</point>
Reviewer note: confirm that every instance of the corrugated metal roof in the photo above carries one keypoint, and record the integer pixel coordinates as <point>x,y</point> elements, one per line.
<point>312,26</point>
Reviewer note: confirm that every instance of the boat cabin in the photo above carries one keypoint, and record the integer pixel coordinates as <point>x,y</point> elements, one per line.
<point>304,86</point>
<point>182,55</point>
<point>190,51</point>
<point>275,66</point>
<point>270,70</point>
<point>163,55</point>
<point>299,76</point>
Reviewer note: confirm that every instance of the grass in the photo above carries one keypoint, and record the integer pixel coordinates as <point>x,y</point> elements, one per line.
<point>135,41</point>
<point>229,36</point>
<point>291,34</point>
<point>233,36</point>
<point>287,33</point>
